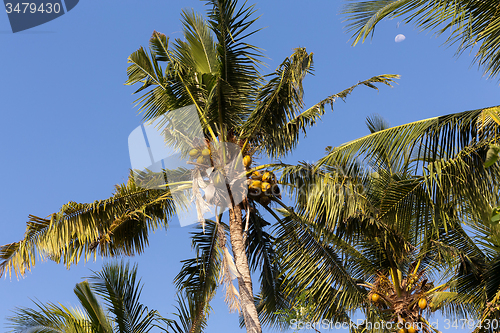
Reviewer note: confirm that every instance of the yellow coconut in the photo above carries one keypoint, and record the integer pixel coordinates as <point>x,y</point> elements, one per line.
<point>375,298</point>
<point>205,152</point>
<point>265,186</point>
<point>247,160</point>
<point>194,152</point>
<point>200,160</point>
<point>256,184</point>
<point>267,177</point>
<point>256,175</point>
<point>422,303</point>
<point>412,330</point>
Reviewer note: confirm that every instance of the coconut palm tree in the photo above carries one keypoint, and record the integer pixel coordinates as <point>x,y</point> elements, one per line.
<point>116,286</point>
<point>470,23</point>
<point>216,72</point>
<point>380,214</point>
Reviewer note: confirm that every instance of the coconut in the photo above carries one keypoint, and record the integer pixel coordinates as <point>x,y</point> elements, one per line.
<point>205,152</point>
<point>265,200</point>
<point>422,303</point>
<point>247,160</point>
<point>256,184</point>
<point>256,175</point>
<point>194,152</point>
<point>267,177</point>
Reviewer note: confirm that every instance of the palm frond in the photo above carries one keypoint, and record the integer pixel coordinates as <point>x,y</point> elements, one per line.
<point>114,226</point>
<point>49,318</point>
<point>260,247</point>
<point>282,129</point>
<point>469,23</point>
<point>239,60</point>
<point>199,277</point>
<point>117,285</point>
<point>315,261</point>
<point>98,319</point>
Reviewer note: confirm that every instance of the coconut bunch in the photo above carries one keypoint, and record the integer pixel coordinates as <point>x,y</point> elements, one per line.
<point>406,308</point>
<point>261,186</point>
<point>200,155</point>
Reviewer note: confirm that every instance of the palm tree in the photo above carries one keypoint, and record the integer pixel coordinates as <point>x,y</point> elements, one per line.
<point>216,71</point>
<point>378,215</point>
<point>470,23</point>
<point>117,285</point>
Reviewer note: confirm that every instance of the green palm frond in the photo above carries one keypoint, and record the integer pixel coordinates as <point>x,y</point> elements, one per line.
<point>188,319</point>
<point>200,276</point>
<point>199,51</point>
<point>114,226</point>
<point>279,99</point>
<point>469,23</point>
<point>262,257</point>
<point>49,318</point>
<point>98,319</point>
<point>118,286</point>
<point>239,61</point>
<point>278,121</point>
<point>330,195</point>
<point>314,261</point>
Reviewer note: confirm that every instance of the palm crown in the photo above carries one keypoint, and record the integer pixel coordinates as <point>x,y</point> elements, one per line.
<point>382,214</point>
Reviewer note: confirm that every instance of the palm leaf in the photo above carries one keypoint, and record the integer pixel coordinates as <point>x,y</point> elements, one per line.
<point>199,277</point>
<point>115,226</point>
<point>469,23</point>
<point>117,284</point>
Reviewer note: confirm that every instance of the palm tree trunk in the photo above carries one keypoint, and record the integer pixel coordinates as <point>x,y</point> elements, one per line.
<point>249,310</point>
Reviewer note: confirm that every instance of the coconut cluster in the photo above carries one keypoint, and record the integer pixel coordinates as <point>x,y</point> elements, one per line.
<point>200,155</point>
<point>261,186</point>
<point>422,304</point>
<point>406,304</point>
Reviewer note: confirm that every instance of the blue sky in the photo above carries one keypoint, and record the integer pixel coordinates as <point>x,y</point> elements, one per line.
<point>66,115</point>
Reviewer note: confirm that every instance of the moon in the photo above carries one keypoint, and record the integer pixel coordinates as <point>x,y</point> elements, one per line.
<point>399,38</point>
